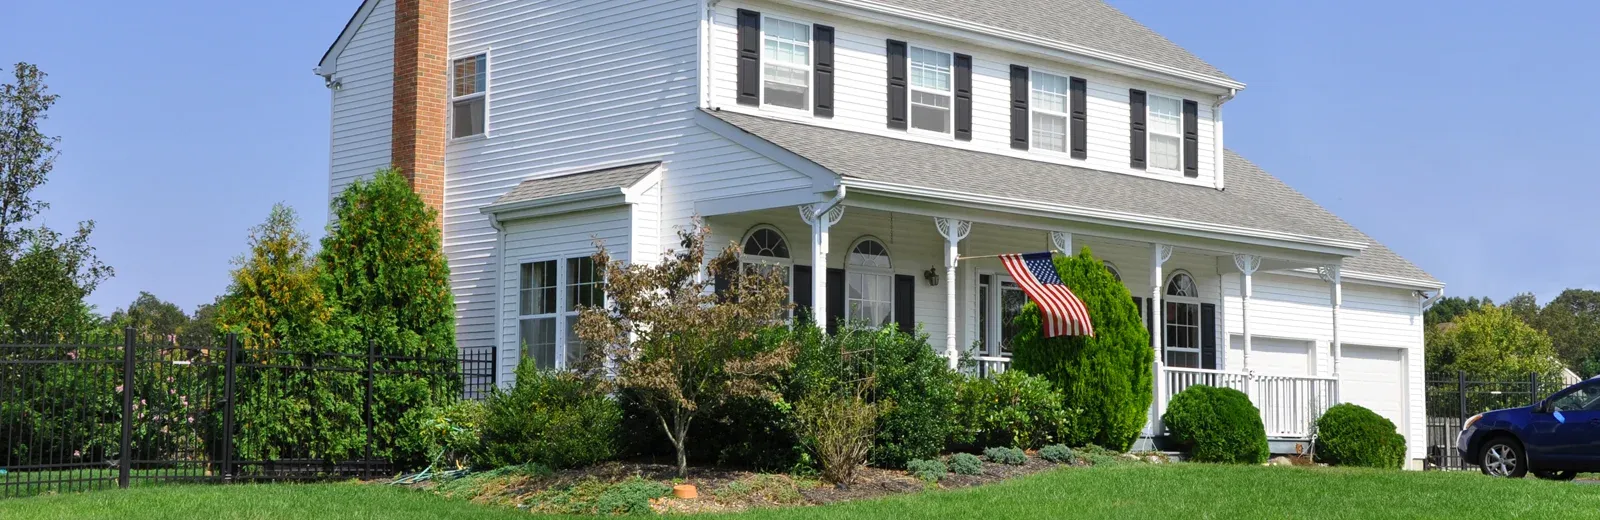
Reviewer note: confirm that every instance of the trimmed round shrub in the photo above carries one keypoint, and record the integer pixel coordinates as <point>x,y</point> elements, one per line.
<point>929,470</point>
<point>1217,425</point>
<point>965,464</point>
<point>558,419</point>
<point>1350,435</point>
<point>1108,376</point>
<point>1009,456</point>
<point>1058,453</point>
<point>1012,409</point>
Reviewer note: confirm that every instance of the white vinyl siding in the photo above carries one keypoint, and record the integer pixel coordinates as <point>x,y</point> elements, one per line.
<point>363,103</point>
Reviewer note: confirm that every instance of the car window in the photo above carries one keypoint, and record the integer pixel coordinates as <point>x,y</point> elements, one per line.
<point>1584,398</point>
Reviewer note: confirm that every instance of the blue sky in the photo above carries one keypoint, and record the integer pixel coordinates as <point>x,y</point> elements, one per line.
<point>1458,133</point>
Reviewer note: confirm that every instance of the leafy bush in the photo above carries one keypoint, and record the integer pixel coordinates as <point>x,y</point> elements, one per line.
<point>1099,456</point>
<point>1217,425</point>
<point>1108,376</point>
<point>838,430</point>
<point>1350,435</point>
<point>965,464</point>
<point>450,435</point>
<point>1010,456</point>
<point>592,496</point>
<point>929,470</point>
<point>558,419</point>
<point>1058,453</point>
<point>920,388</point>
<point>630,497</point>
<point>1013,409</point>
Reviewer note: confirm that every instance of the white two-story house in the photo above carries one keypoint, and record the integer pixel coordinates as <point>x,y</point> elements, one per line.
<point>864,147</point>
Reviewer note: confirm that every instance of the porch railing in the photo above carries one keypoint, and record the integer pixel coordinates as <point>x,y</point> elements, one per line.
<point>1289,404</point>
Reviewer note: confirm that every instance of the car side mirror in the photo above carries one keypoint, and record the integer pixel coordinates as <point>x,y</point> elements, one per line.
<point>1543,406</point>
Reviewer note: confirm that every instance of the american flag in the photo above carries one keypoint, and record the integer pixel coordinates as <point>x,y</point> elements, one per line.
<point>1064,313</point>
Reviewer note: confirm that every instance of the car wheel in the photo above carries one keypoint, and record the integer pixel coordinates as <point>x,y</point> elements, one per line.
<point>1556,475</point>
<point>1502,457</point>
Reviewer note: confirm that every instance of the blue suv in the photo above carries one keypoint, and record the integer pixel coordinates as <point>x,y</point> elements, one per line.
<point>1555,439</point>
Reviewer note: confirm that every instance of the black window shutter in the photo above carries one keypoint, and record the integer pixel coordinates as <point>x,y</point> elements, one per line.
<point>749,58</point>
<point>1191,139</point>
<point>722,285</point>
<point>1080,119</point>
<point>1208,336</point>
<point>1019,107</point>
<point>802,294</point>
<point>963,97</point>
<point>822,92</point>
<point>905,311</point>
<point>1138,303</point>
<point>898,100</point>
<point>1136,143</point>
<point>836,288</point>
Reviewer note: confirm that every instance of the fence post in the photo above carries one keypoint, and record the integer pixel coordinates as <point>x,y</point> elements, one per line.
<point>125,457</point>
<point>232,350</point>
<point>1533,388</point>
<point>372,349</point>
<point>1461,391</point>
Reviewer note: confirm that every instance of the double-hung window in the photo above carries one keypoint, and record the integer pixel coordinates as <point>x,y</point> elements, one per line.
<point>786,72</point>
<point>469,96</point>
<point>1182,317</point>
<point>551,294</point>
<point>869,295</point>
<point>931,90</point>
<point>1166,132</point>
<point>1051,106</point>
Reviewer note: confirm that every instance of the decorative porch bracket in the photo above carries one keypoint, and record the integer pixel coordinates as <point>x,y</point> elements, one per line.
<point>1330,274</point>
<point>953,232</point>
<point>1247,264</point>
<point>814,215</point>
<point>1062,241</point>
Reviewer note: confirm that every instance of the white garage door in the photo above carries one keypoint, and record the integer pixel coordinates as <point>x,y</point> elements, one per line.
<point>1272,356</point>
<point>1375,377</point>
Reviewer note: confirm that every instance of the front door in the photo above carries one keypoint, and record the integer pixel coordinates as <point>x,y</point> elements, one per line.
<point>1569,435</point>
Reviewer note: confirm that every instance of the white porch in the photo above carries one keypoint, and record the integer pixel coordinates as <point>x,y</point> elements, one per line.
<point>1204,286</point>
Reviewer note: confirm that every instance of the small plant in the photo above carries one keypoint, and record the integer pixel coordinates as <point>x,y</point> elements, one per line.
<point>965,464</point>
<point>1349,435</point>
<point>1013,409</point>
<point>775,489</point>
<point>630,497</point>
<point>1058,453</point>
<point>1098,456</point>
<point>559,419</point>
<point>1217,425</point>
<point>839,430</point>
<point>1009,456</point>
<point>928,470</point>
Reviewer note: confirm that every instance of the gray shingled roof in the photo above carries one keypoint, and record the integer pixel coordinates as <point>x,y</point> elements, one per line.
<point>546,187</point>
<point>1253,199</point>
<point>1089,23</point>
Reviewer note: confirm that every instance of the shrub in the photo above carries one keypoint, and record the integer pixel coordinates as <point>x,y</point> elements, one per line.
<point>929,470</point>
<point>449,435</point>
<point>838,429</point>
<point>965,464</point>
<point>1012,409</point>
<point>558,419</point>
<point>1217,425</point>
<point>1108,376</point>
<point>1350,435</point>
<point>920,388</point>
<point>1058,453</point>
<point>1009,456</point>
<point>630,497</point>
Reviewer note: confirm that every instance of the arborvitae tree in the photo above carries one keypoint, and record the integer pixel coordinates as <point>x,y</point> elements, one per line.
<point>274,301</point>
<point>1107,376</point>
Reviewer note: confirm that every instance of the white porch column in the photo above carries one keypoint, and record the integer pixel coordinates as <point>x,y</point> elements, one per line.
<point>953,231</point>
<point>819,256</point>
<point>1062,241</point>
<point>1330,274</point>
<point>1159,254</point>
<point>1247,264</point>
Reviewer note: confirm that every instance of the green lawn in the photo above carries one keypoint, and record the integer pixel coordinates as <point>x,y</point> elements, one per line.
<point>1171,491</point>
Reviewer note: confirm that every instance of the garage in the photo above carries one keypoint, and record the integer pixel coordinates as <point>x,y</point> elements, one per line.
<point>1375,377</point>
<point>1275,356</point>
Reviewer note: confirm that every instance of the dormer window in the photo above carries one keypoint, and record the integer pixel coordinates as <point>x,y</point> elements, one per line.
<point>1051,106</point>
<point>931,90</point>
<point>786,71</point>
<point>1166,133</point>
<point>469,95</point>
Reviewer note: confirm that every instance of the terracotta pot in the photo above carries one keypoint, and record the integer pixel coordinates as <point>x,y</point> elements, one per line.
<point>685,491</point>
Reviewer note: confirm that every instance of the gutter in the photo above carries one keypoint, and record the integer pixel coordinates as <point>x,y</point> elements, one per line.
<point>825,207</point>
<point>581,196</point>
<point>1428,301</point>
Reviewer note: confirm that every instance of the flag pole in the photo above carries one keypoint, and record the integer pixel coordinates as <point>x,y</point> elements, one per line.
<point>981,257</point>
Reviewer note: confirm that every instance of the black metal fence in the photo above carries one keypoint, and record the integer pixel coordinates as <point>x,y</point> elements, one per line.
<point>1452,398</point>
<point>91,414</point>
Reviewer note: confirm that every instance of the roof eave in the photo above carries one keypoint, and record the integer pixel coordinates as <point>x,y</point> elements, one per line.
<point>590,196</point>
<point>330,58</point>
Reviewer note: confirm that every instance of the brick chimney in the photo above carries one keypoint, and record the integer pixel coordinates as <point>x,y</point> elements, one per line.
<point>421,95</point>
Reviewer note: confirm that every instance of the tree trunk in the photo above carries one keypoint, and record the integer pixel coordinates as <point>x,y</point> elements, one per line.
<point>682,444</point>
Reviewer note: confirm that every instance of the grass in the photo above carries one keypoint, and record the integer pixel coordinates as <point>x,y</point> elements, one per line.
<point>1127,491</point>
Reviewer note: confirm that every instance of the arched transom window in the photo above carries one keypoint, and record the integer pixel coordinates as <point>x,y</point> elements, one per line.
<point>1113,268</point>
<point>1181,315</point>
<point>765,251</point>
<point>869,298</point>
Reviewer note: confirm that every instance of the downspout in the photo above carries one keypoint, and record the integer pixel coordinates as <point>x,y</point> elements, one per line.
<point>499,295</point>
<point>707,35</point>
<point>824,208</point>
<point>1428,301</point>
<point>1220,153</point>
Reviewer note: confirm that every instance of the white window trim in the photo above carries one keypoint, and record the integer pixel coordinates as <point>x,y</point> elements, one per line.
<point>560,315</point>
<point>810,69</point>
<point>1167,339</point>
<point>877,271</point>
<point>1066,151</point>
<point>1149,133</point>
<point>488,81</point>
<point>788,263</point>
<point>950,118</point>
